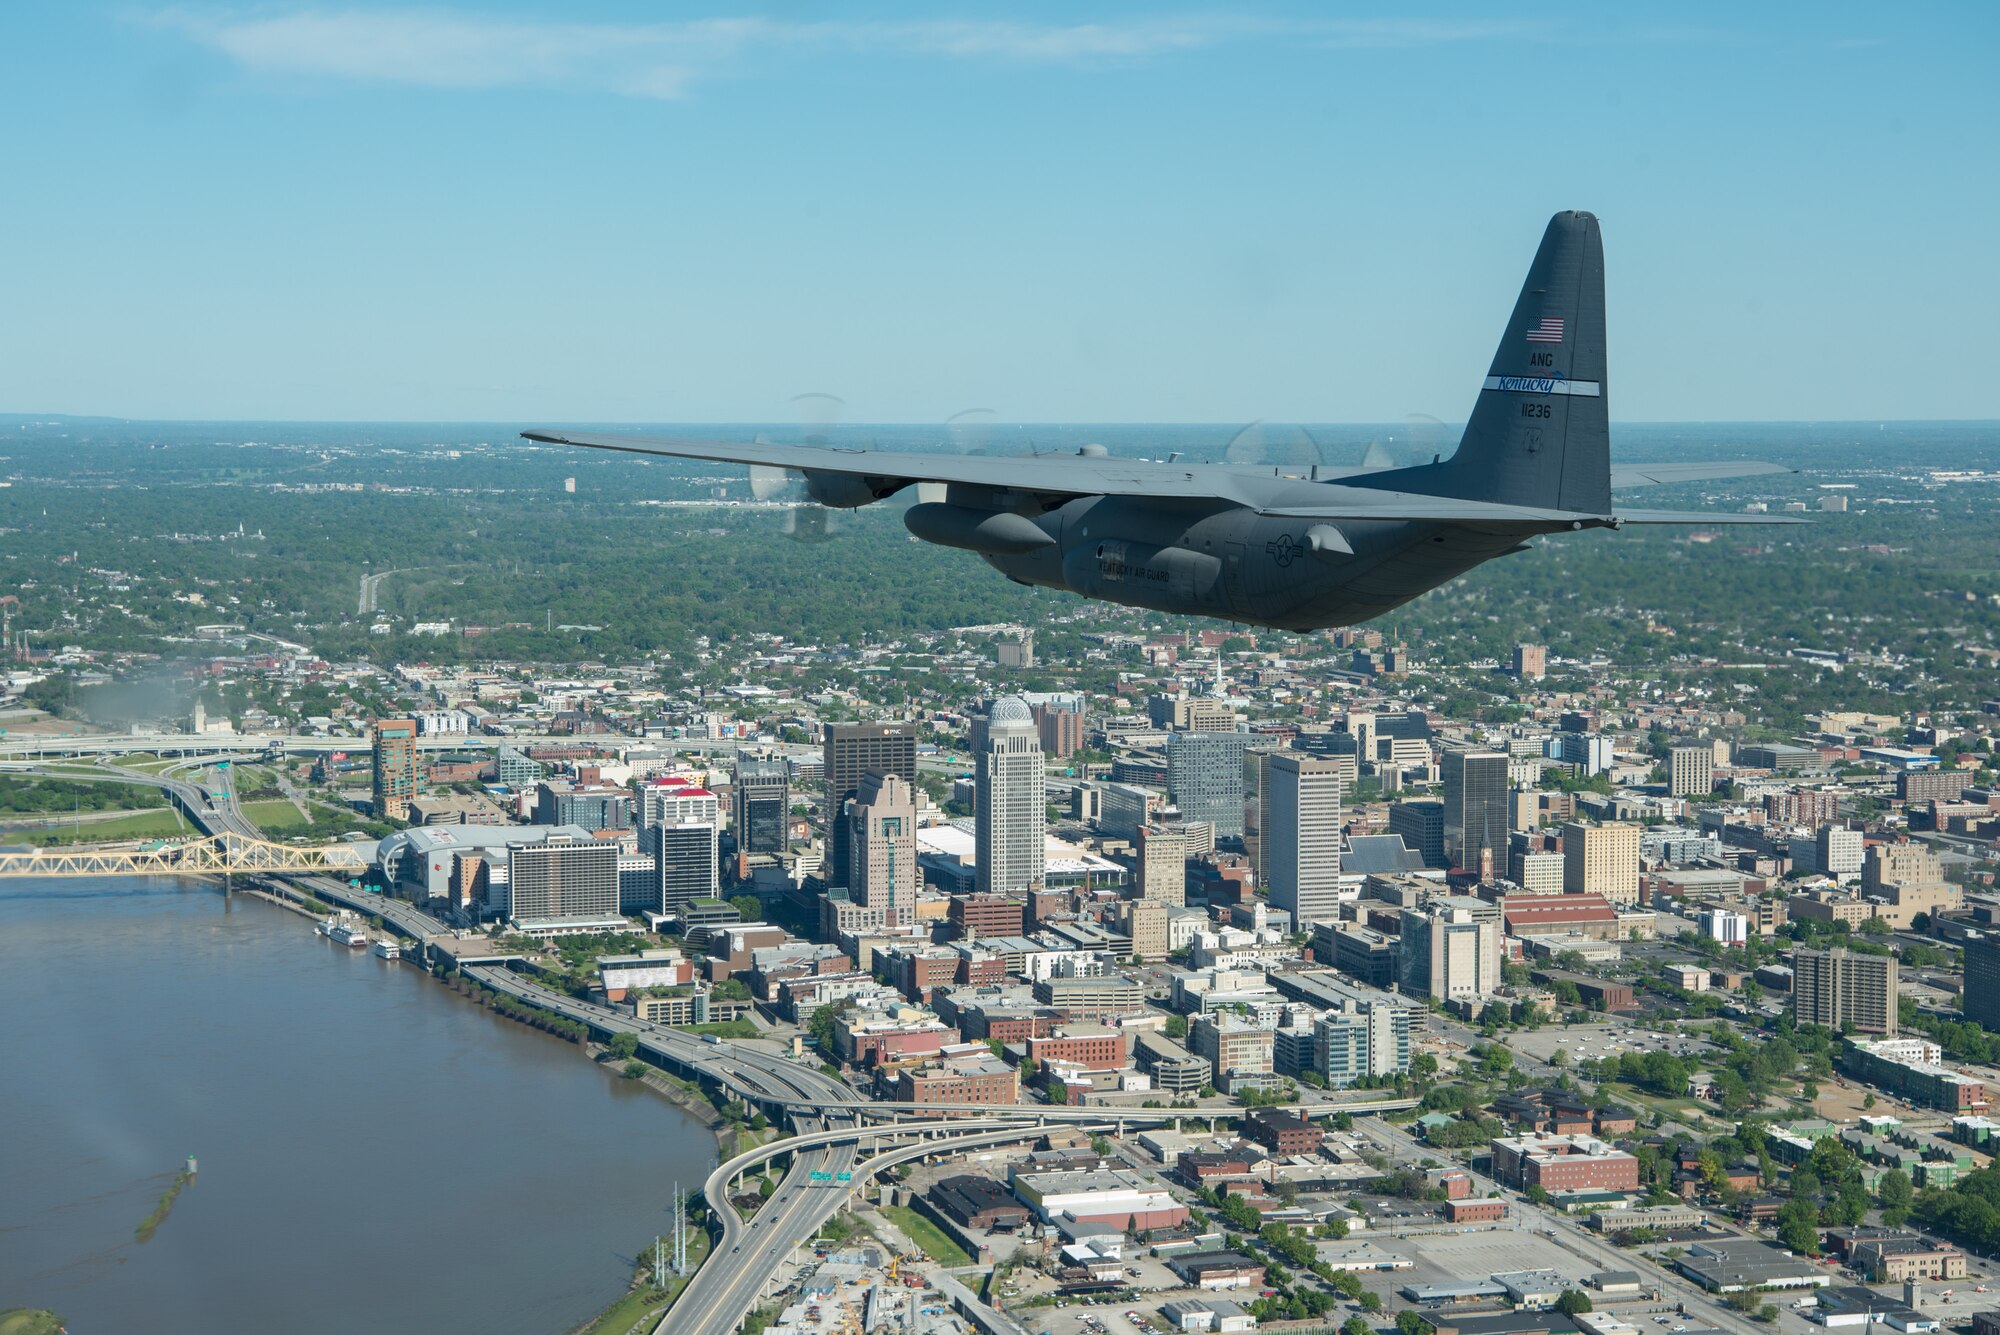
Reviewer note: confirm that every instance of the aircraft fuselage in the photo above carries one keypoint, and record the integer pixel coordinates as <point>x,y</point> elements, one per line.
<point>1228,561</point>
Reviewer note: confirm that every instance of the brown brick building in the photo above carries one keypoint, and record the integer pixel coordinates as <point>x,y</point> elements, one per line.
<point>1563,1163</point>
<point>986,1081</point>
<point>1090,1046</point>
<point>1282,1132</point>
<point>1475,1210</point>
<point>983,915</point>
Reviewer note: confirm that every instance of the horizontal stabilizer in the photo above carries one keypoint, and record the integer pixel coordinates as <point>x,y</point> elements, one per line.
<point>1699,517</point>
<point>1652,475</point>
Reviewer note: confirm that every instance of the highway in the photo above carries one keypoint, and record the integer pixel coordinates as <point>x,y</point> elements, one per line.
<point>37,746</point>
<point>191,797</point>
<point>820,1110</point>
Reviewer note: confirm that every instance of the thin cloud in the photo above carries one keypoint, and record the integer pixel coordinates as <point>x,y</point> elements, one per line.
<point>444,50</point>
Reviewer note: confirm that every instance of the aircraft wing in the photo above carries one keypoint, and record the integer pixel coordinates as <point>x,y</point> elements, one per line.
<point>1698,517</point>
<point>1650,475</point>
<point>1366,503</point>
<point>1047,474</point>
<point>1062,475</point>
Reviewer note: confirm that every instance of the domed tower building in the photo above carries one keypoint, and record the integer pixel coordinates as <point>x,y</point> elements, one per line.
<point>1010,825</point>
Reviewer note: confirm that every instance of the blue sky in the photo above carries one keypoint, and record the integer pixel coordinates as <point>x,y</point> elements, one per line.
<point>626,212</point>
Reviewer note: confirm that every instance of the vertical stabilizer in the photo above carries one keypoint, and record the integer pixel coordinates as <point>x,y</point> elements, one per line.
<point>1540,433</point>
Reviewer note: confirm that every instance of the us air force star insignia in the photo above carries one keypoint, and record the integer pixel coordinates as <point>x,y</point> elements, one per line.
<point>1282,549</point>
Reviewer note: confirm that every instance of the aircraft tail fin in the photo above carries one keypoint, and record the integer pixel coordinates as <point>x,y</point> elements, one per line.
<point>1540,433</point>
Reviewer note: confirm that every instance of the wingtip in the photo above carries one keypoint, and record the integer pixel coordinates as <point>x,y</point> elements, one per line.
<point>545,437</point>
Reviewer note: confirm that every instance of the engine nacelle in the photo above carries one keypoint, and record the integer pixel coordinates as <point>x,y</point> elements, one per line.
<point>988,532</point>
<point>847,491</point>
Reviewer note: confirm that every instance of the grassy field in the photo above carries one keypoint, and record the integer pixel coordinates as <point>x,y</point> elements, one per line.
<point>280,819</point>
<point>330,822</point>
<point>162,824</point>
<point>927,1235</point>
<point>723,1029</point>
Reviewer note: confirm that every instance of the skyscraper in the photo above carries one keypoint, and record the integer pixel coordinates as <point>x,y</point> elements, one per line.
<point>1421,823</point>
<point>1981,1002</point>
<point>393,767</point>
<point>1451,947</point>
<point>562,879</point>
<point>1475,806</point>
<point>1061,725</point>
<point>1367,1039</point>
<point>1602,860</point>
<point>1301,835</point>
<point>676,802</point>
<point>685,862</point>
<point>1010,816</point>
<point>1691,771</point>
<point>852,751</point>
<point>1847,992</point>
<point>763,805</point>
<point>1205,777</point>
<point>881,825</point>
<point>1162,864</point>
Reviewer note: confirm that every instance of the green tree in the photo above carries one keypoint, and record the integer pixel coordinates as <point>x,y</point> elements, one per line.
<point>1798,1228</point>
<point>1177,1026</point>
<point>1572,1302</point>
<point>1897,1197</point>
<point>1410,1323</point>
<point>820,1026</point>
<point>749,906</point>
<point>1357,1325</point>
<point>623,1046</point>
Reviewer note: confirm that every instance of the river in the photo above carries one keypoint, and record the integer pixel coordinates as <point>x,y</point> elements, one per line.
<point>376,1153</point>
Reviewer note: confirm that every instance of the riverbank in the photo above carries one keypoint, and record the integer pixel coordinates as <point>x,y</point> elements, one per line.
<point>30,1321</point>
<point>643,1306</point>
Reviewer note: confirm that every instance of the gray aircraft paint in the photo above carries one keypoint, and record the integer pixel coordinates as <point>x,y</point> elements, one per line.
<point>1298,553</point>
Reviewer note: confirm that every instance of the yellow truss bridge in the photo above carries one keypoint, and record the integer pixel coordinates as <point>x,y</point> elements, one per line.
<point>208,856</point>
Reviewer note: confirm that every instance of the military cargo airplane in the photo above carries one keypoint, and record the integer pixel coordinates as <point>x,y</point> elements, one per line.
<point>1253,545</point>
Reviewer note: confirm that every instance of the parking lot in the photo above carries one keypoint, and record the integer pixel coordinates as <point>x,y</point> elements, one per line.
<point>1601,1040</point>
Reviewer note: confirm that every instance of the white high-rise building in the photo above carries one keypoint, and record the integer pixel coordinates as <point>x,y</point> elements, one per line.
<point>1301,811</point>
<point>676,801</point>
<point>1010,823</point>
<point>1731,929</point>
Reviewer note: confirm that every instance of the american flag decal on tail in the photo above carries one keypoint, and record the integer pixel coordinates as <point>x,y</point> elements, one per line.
<point>1550,330</point>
